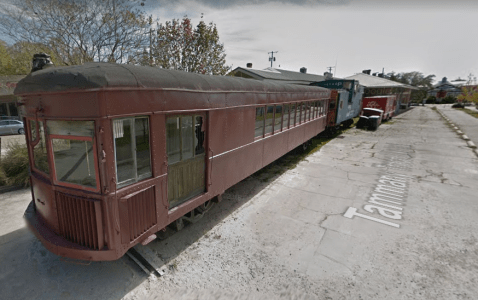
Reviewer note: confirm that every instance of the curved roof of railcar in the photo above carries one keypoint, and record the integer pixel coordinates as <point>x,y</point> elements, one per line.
<point>106,75</point>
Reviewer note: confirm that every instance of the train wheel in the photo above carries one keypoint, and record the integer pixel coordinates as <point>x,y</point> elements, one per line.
<point>205,207</point>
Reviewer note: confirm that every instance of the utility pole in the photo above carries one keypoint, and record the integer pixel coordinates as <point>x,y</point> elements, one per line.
<point>330,69</point>
<point>272,58</point>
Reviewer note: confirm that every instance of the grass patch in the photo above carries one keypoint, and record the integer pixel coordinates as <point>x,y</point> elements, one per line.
<point>469,111</point>
<point>14,166</point>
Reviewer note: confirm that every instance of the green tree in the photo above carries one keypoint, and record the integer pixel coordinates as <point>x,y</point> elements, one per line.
<point>416,79</point>
<point>177,45</point>
<point>5,59</point>
<point>469,94</point>
<point>78,31</point>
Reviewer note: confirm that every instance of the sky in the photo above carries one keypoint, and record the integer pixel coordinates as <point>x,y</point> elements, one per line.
<point>432,37</point>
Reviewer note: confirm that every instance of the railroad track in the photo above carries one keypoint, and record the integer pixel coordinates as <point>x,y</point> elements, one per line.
<point>146,261</point>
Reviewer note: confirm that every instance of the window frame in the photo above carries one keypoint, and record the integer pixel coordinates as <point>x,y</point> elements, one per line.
<point>280,125</point>
<point>33,143</point>
<point>194,154</point>
<point>257,137</point>
<point>136,178</point>
<point>52,164</point>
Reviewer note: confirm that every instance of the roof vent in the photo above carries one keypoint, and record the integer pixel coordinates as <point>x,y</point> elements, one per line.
<point>367,71</point>
<point>303,70</point>
<point>249,65</point>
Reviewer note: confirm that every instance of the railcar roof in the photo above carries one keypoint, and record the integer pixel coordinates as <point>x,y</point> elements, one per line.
<point>107,75</point>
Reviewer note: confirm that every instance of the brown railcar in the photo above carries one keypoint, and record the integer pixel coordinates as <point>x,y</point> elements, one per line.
<point>118,152</point>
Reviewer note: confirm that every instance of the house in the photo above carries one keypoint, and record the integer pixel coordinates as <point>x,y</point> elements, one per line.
<point>8,106</point>
<point>443,89</point>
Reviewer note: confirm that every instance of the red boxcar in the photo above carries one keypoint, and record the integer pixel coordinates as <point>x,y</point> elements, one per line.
<point>386,103</point>
<point>118,152</point>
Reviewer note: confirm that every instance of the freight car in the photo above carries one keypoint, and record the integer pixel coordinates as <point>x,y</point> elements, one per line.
<point>386,103</point>
<point>118,152</point>
<point>347,105</point>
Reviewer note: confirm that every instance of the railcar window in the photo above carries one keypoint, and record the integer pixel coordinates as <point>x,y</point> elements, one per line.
<point>74,161</point>
<point>316,109</point>
<point>300,112</point>
<point>173,133</point>
<point>73,154</point>
<point>187,137</point>
<point>269,119</point>
<point>33,130</point>
<point>285,116</point>
<point>259,128</point>
<point>40,156</point>
<point>132,150</point>
<point>293,115</point>
<point>143,156</point>
<point>278,118</point>
<point>307,111</point>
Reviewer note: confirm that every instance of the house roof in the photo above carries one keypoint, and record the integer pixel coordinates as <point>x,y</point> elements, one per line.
<point>272,74</point>
<point>370,81</point>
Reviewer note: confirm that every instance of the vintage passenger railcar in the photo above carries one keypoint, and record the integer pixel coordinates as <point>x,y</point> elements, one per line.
<point>347,105</point>
<point>118,152</point>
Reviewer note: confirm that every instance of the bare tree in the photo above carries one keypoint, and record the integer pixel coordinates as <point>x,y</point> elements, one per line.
<point>79,31</point>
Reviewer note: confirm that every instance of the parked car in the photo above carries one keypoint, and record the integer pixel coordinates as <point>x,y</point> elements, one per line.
<point>458,105</point>
<point>370,118</point>
<point>11,127</point>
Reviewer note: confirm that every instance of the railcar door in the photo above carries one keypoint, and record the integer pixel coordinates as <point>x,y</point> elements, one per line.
<point>185,146</point>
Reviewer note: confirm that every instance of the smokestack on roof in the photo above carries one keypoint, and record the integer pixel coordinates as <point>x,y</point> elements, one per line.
<point>41,61</point>
<point>303,70</point>
<point>249,65</point>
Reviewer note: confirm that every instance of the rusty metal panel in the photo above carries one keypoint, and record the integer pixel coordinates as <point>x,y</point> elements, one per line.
<point>274,147</point>
<point>296,137</point>
<point>45,202</point>
<point>230,168</point>
<point>137,214</point>
<point>231,128</point>
<point>78,221</point>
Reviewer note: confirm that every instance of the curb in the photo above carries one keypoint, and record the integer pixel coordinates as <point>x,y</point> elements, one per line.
<point>11,188</point>
<point>469,143</point>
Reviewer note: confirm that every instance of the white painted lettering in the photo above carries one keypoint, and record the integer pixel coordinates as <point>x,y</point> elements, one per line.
<point>388,213</point>
<point>387,189</point>
<point>393,183</point>
<point>352,211</point>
